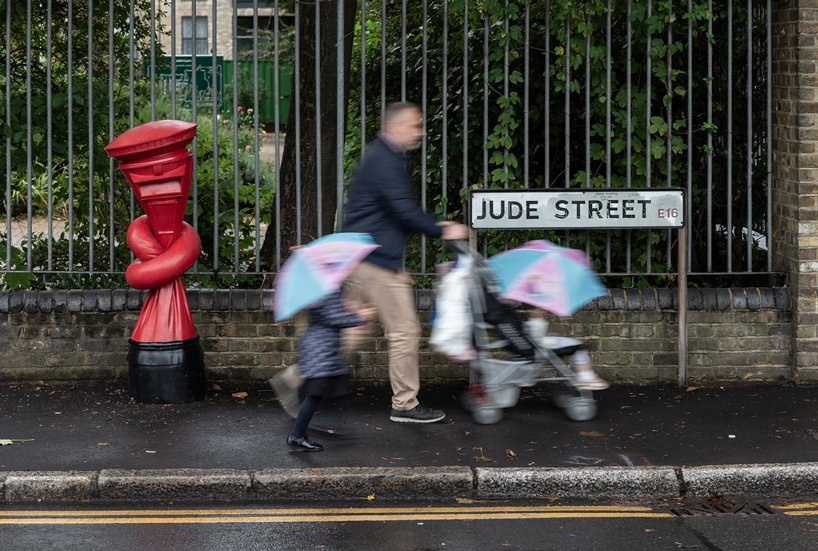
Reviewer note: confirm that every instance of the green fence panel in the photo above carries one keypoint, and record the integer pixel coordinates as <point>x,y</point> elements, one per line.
<point>183,81</point>
<point>266,89</point>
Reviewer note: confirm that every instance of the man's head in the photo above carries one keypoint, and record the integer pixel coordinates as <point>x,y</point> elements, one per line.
<point>403,125</point>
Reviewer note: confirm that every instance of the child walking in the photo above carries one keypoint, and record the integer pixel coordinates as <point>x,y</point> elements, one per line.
<point>321,362</point>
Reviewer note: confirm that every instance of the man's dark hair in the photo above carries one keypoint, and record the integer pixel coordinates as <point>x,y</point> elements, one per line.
<point>395,110</point>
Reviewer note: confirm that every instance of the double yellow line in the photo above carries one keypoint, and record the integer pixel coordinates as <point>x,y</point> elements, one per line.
<point>800,509</point>
<point>341,514</point>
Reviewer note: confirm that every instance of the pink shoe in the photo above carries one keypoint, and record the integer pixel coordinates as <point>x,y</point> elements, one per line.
<point>591,381</point>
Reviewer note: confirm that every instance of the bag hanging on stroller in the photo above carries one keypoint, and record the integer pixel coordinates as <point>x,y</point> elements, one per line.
<point>452,322</point>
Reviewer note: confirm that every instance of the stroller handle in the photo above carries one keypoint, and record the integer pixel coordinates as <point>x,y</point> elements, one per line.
<point>458,246</point>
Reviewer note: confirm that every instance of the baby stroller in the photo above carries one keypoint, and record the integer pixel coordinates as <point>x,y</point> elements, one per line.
<point>508,355</point>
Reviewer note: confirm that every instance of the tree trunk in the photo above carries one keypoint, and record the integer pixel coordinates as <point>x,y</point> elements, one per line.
<point>286,221</point>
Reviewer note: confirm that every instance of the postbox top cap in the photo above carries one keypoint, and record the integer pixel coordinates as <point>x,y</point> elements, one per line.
<point>150,139</point>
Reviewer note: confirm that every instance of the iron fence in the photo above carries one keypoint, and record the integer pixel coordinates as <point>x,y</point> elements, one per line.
<point>516,94</point>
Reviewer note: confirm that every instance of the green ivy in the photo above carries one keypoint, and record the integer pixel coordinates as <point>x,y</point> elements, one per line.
<point>658,150</point>
<point>655,151</point>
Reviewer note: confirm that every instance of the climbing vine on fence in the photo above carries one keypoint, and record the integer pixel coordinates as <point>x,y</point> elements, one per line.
<point>503,84</point>
<point>496,75</point>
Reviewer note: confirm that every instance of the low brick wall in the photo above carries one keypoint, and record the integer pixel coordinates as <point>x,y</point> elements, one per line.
<point>734,334</point>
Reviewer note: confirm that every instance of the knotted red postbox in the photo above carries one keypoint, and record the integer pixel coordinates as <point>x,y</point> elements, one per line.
<point>165,361</point>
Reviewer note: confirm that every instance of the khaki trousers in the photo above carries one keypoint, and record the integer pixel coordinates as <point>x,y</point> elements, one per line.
<point>391,293</point>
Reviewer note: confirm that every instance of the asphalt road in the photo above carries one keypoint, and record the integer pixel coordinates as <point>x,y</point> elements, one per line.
<point>405,526</point>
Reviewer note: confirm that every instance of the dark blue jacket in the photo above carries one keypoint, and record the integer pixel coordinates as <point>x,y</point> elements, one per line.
<point>381,203</point>
<point>319,352</point>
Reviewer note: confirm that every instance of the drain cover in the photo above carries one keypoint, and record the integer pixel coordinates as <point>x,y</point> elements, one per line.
<point>722,508</point>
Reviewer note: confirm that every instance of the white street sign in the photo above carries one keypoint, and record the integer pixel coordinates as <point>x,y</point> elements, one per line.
<point>574,209</point>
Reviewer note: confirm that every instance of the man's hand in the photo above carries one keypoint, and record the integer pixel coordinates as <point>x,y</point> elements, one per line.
<point>454,231</point>
<point>367,313</point>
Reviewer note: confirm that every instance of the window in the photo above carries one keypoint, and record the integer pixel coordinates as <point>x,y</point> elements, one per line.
<point>266,29</point>
<point>249,4</point>
<point>245,32</point>
<point>201,36</point>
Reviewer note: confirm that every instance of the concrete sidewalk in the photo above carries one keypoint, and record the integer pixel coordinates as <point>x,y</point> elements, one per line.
<point>90,441</point>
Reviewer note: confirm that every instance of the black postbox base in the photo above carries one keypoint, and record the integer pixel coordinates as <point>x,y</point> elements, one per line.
<point>166,372</point>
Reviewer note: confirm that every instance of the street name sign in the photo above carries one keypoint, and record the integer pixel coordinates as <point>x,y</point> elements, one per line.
<point>578,209</point>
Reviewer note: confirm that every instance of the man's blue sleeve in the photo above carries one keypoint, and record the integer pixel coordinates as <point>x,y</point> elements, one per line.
<point>397,192</point>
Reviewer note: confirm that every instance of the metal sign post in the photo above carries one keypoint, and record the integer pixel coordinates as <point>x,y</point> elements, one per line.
<point>682,268</point>
<point>603,209</point>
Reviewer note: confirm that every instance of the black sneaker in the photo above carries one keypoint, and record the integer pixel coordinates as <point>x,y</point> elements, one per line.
<point>418,414</point>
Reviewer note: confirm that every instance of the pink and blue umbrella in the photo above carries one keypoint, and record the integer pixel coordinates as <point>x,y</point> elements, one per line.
<point>552,278</point>
<point>545,245</point>
<point>318,269</point>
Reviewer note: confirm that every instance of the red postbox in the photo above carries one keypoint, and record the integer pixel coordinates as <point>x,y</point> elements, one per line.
<point>165,361</point>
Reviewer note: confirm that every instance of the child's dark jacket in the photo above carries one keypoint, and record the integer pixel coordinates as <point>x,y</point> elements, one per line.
<point>319,352</point>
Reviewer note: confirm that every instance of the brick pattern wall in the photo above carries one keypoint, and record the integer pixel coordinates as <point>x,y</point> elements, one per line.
<point>734,334</point>
<point>795,169</point>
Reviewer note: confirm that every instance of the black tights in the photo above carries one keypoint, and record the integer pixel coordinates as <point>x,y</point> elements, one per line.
<point>308,406</point>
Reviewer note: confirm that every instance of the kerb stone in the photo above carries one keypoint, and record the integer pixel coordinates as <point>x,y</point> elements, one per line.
<point>763,480</point>
<point>579,482</point>
<point>174,484</point>
<point>48,486</point>
<point>360,482</point>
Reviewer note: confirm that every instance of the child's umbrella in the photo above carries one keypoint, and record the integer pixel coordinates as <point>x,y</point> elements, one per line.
<point>549,278</point>
<point>315,270</point>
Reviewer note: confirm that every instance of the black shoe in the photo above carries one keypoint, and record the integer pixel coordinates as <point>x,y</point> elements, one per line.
<point>303,444</point>
<point>418,414</point>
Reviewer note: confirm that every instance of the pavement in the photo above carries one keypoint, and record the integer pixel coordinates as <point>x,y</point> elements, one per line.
<point>89,441</point>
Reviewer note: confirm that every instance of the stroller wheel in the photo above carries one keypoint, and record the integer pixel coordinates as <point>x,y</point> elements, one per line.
<point>472,397</point>
<point>561,397</point>
<point>485,415</point>
<point>580,409</point>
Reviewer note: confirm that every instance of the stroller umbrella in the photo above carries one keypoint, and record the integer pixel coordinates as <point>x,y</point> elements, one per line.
<point>318,269</point>
<point>545,245</point>
<point>551,278</point>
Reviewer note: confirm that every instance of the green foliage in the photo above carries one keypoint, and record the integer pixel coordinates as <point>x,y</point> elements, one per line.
<point>228,239</point>
<point>47,97</point>
<point>489,126</point>
<point>96,210</point>
<point>647,148</point>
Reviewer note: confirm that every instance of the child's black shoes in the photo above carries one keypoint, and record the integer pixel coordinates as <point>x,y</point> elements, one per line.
<point>304,444</point>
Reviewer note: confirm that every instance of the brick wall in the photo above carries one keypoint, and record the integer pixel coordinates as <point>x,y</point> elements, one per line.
<point>795,170</point>
<point>734,334</point>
